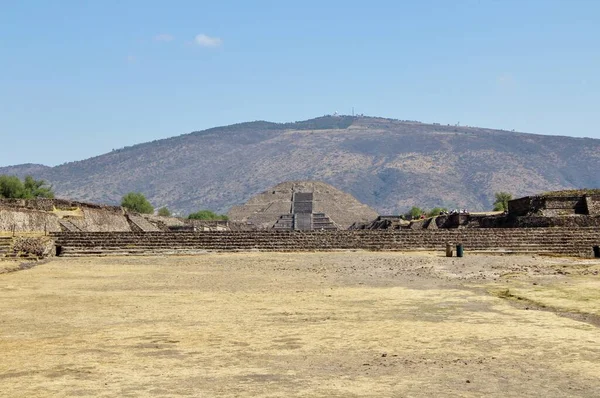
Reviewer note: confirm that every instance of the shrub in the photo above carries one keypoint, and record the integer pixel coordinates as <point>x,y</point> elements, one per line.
<point>135,201</point>
<point>11,187</point>
<point>436,211</point>
<point>206,215</point>
<point>415,212</point>
<point>164,212</point>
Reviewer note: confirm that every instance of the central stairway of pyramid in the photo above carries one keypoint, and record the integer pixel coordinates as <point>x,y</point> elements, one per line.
<point>302,217</point>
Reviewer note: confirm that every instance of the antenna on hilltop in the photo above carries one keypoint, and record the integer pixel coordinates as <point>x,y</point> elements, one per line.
<point>352,111</point>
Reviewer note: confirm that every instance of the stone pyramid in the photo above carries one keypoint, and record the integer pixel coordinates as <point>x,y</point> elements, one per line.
<point>302,205</point>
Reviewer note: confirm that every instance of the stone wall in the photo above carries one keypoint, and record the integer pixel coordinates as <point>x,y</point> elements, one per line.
<point>533,221</point>
<point>561,206</point>
<point>39,215</point>
<point>565,241</point>
<point>592,203</point>
<point>42,204</point>
<point>45,204</point>
<point>552,222</point>
<point>521,206</point>
<point>26,220</point>
<point>550,206</point>
<point>101,220</point>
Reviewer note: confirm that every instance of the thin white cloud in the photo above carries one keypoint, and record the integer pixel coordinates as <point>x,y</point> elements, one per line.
<point>164,37</point>
<point>131,59</point>
<point>206,41</point>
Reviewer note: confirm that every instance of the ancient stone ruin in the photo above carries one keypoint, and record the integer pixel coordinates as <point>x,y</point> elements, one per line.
<point>60,215</point>
<point>54,215</point>
<point>564,241</point>
<point>556,204</point>
<point>571,209</point>
<point>302,206</point>
<point>299,216</point>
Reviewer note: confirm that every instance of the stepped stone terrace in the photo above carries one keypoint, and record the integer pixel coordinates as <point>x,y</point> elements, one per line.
<point>80,229</point>
<point>564,241</point>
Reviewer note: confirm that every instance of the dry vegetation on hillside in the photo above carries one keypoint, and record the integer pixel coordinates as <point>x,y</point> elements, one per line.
<point>387,164</point>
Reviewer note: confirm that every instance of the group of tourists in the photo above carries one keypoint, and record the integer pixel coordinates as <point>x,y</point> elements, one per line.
<point>455,211</point>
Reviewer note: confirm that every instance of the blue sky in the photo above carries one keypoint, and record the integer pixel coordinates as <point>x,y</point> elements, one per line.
<point>79,78</point>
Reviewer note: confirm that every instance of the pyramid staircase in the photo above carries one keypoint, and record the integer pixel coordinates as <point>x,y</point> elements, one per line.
<point>302,217</point>
<point>304,222</point>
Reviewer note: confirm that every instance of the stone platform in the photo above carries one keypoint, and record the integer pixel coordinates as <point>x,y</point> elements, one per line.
<point>560,241</point>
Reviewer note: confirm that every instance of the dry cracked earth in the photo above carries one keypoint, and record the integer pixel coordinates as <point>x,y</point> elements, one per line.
<point>344,324</point>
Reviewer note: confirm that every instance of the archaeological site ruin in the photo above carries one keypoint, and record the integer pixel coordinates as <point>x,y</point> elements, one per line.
<point>302,206</point>
<point>299,216</point>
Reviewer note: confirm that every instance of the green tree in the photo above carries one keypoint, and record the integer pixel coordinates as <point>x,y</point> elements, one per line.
<point>11,187</point>
<point>501,202</point>
<point>415,212</point>
<point>436,211</point>
<point>164,212</point>
<point>135,201</point>
<point>37,188</point>
<point>207,215</point>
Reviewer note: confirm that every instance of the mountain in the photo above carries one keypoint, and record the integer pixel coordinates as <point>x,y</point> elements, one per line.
<point>387,164</point>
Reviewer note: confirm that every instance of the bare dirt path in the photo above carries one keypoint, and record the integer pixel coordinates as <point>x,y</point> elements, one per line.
<point>312,324</point>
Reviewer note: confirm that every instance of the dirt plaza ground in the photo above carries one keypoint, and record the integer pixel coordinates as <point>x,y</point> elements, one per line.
<point>342,324</point>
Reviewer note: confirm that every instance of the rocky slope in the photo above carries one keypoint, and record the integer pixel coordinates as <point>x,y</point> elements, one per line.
<point>387,164</point>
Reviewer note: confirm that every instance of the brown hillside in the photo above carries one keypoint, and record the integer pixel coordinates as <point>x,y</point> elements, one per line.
<point>387,164</point>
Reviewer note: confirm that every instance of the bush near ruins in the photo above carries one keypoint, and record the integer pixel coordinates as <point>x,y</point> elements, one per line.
<point>501,202</point>
<point>436,211</point>
<point>415,212</point>
<point>12,187</point>
<point>206,215</point>
<point>135,201</point>
<point>164,212</point>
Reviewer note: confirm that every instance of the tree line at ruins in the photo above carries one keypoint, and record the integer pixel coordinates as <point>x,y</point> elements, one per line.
<point>11,187</point>
<point>137,202</point>
<point>500,204</point>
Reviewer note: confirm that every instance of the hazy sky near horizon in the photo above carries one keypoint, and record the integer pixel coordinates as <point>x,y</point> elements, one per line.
<point>80,78</point>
